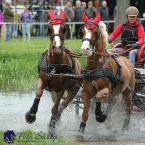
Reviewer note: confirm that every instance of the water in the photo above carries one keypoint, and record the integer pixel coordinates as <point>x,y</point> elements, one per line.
<point>13,107</point>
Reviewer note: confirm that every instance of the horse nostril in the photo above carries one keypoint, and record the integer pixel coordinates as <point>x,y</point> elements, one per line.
<point>60,47</point>
<point>53,46</point>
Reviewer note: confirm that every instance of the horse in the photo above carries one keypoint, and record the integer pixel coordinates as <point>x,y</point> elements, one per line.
<point>57,59</point>
<point>105,75</point>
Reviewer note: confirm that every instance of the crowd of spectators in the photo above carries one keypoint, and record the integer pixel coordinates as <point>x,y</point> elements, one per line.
<point>8,17</point>
<point>73,13</point>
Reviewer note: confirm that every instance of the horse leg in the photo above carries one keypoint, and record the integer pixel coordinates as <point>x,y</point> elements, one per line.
<point>86,101</point>
<point>72,91</point>
<point>54,111</point>
<point>101,115</point>
<point>30,116</point>
<point>128,104</point>
<point>108,123</point>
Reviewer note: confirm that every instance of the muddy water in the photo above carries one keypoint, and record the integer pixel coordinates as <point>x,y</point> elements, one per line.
<point>13,107</point>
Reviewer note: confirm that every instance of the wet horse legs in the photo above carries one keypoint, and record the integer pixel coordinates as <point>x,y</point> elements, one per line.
<point>54,111</point>
<point>100,115</point>
<point>30,116</point>
<point>85,115</point>
<point>72,91</point>
<point>128,102</point>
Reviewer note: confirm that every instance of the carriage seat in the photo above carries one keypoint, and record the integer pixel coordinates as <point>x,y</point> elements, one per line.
<point>140,58</point>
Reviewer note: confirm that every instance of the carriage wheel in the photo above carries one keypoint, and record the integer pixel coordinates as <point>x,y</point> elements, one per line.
<point>139,98</point>
<point>77,102</point>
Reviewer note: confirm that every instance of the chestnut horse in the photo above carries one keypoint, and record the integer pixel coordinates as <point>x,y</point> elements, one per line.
<point>56,60</point>
<point>105,76</point>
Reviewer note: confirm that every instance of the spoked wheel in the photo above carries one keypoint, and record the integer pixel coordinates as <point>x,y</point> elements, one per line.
<point>139,98</point>
<point>78,100</point>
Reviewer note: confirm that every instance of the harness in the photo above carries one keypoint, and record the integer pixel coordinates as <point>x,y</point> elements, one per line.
<point>129,33</point>
<point>54,68</point>
<point>101,71</point>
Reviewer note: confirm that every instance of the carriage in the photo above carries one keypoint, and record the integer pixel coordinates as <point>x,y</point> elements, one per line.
<point>104,76</point>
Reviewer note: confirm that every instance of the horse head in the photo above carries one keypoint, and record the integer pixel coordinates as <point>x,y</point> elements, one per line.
<point>91,33</point>
<point>56,31</point>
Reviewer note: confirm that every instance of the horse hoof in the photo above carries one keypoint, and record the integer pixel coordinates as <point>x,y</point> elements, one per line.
<point>126,125</point>
<point>80,136</point>
<point>51,133</point>
<point>101,118</point>
<point>30,118</point>
<point>81,130</point>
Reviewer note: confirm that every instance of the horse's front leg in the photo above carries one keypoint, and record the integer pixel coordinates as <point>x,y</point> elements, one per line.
<point>100,115</point>
<point>30,116</point>
<point>54,111</point>
<point>86,101</point>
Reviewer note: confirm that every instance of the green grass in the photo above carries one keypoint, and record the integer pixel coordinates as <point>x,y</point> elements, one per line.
<point>19,60</point>
<point>32,138</point>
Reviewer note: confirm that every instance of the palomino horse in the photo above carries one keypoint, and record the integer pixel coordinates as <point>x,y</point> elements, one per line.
<point>56,60</point>
<point>105,76</point>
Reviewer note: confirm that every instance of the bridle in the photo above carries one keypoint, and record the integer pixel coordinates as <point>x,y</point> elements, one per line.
<point>98,38</point>
<point>56,34</point>
<point>98,33</point>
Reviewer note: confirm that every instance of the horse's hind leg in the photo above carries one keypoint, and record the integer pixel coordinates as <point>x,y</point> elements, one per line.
<point>72,91</point>
<point>128,104</point>
<point>54,111</point>
<point>30,116</point>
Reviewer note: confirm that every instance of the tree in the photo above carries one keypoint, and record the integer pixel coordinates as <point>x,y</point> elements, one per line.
<point>121,7</point>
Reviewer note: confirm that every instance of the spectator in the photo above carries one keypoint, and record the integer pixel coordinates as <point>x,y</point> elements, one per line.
<point>114,13</point>
<point>91,11</point>
<point>26,18</point>
<point>8,18</point>
<point>104,11</point>
<point>78,10</point>
<point>83,4</point>
<point>1,20</point>
<point>69,17</point>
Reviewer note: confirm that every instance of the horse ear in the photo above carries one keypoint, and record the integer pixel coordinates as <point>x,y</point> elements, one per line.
<point>61,15</point>
<point>97,18</point>
<point>85,18</point>
<point>51,14</point>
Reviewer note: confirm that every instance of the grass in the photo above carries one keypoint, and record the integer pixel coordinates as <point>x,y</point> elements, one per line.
<point>19,60</point>
<point>32,138</point>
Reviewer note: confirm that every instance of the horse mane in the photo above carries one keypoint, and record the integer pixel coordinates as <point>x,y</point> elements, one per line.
<point>104,34</point>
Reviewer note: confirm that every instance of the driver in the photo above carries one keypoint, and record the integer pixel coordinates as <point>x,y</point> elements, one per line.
<point>132,33</point>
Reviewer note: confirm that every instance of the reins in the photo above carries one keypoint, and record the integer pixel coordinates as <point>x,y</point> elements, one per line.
<point>123,51</point>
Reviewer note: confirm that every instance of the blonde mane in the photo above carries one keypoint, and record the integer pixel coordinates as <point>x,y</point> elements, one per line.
<point>104,34</point>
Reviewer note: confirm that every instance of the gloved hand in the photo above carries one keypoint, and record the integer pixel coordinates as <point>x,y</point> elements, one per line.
<point>109,40</point>
<point>135,45</point>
